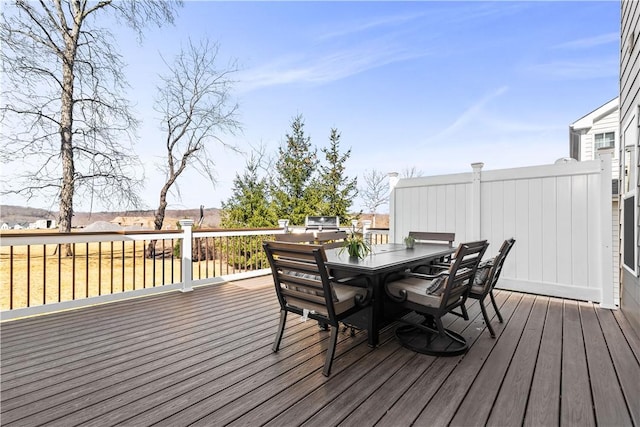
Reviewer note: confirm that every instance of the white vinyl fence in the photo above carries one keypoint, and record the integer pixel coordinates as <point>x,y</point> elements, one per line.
<point>560,216</point>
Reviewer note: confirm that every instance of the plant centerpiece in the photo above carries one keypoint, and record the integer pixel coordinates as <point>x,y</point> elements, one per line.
<point>356,246</point>
<point>409,241</point>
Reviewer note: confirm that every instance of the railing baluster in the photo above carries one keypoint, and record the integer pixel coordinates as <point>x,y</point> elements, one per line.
<point>11,278</point>
<point>86,272</point>
<point>59,252</point>
<point>44,274</point>
<point>133,261</point>
<point>123,264</point>
<point>111,259</point>
<point>99,268</point>
<point>144,264</point>
<point>73,272</point>
<point>28,275</point>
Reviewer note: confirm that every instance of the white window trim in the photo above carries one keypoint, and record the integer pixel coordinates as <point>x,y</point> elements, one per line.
<point>633,190</point>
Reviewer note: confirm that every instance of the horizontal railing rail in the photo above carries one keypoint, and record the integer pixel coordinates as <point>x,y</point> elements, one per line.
<point>38,276</point>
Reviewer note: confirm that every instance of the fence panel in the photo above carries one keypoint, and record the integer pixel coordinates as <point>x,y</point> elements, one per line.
<point>556,213</point>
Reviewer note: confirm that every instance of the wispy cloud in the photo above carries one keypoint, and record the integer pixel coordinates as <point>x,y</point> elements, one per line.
<point>590,42</point>
<point>469,114</point>
<point>370,24</point>
<point>323,69</point>
<point>577,70</point>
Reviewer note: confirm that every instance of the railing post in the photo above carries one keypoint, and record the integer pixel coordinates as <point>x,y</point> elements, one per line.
<point>393,181</point>
<point>476,204</point>
<point>187,248</point>
<point>606,218</point>
<point>366,233</point>
<point>284,224</point>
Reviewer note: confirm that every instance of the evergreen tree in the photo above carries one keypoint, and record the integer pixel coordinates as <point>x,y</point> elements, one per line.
<point>294,192</point>
<point>249,204</point>
<point>337,190</point>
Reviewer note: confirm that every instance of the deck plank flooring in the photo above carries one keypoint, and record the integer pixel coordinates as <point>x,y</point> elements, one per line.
<point>204,358</point>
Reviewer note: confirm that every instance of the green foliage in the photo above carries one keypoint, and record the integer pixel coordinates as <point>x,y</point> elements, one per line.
<point>356,246</point>
<point>337,190</point>
<point>246,253</point>
<point>293,190</point>
<point>249,205</point>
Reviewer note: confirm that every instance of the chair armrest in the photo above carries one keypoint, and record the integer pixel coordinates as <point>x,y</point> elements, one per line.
<point>428,276</point>
<point>360,281</point>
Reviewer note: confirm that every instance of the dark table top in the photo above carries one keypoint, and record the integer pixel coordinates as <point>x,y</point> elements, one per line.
<point>386,257</point>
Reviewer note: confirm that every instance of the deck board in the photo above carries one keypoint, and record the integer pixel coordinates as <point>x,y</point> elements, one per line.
<point>543,408</point>
<point>576,405</point>
<point>204,358</point>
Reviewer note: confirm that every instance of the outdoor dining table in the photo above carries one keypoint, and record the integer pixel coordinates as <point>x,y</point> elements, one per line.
<point>382,261</point>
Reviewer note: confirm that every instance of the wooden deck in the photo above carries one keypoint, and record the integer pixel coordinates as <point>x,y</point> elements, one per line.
<point>204,358</point>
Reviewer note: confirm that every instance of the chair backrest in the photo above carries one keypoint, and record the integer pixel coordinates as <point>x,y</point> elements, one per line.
<point>301,277</point>
<point>462,271</point>
<point>497,264</point>
<point>328,239</point>
<point>296,237</point>
<point>331,239</point>
<point>433,237</point>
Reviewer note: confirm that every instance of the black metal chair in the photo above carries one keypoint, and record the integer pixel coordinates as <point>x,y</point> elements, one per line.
<point>433,296</point>
<point>437,237</point>
<point>305,287</point>
<point>485,280</point>
<point>433,237</point>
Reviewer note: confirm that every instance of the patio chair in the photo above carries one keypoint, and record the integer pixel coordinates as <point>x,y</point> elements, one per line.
<point>296,237</point>
<point>433,237</point>
<point>305,287</point>
<point>433,296</point>
<point>442,238</point>
<point>331,239</point>
<point>328,239</point>
<point>485,280</point>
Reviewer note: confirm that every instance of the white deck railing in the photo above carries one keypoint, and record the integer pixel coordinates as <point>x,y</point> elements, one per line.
<point>37,278</point>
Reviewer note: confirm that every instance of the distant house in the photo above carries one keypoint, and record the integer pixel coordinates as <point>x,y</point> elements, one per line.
<point>600,129</point>
<point>42,224</point>
<point>4,226</point>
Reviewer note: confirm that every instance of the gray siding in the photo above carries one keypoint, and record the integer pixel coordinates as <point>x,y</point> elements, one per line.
<point>629,100</point>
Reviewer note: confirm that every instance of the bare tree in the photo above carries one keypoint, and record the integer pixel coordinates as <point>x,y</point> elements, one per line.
<point>194,103</point>
<point>63,109</point>
<point>411,172</point>
<point>375,192</point>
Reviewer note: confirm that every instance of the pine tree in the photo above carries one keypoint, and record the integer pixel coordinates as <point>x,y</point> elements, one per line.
<point>337,190</point>
<point>249,206</point>
<point>294,191</point>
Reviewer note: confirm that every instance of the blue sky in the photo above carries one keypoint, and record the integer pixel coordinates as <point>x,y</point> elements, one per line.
<point>431,85</point>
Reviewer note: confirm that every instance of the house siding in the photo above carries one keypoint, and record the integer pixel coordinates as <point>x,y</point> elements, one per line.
<point>629,101</point>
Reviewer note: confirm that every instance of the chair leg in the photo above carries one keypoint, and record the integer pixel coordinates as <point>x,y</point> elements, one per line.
<point>495,306</point>
<point>283,320</point>
<point>486,318</point>
<point>465,315</point>
<point>330,351</point>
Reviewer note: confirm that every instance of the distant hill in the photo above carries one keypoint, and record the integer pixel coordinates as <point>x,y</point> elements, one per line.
<point>23,215</point>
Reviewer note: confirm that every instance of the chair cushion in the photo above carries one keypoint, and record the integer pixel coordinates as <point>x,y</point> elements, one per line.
<point>310,277</point>
<point>346,300</point>
<point>482,272</point>
<point>419,291</point>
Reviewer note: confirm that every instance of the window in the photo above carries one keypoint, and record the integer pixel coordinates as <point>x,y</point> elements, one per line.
<point>605,140</point>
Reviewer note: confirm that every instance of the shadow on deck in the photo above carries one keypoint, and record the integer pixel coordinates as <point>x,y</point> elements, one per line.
<point>204,358</point>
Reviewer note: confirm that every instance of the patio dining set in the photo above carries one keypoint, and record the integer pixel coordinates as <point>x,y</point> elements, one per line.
<point>414,285</point>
